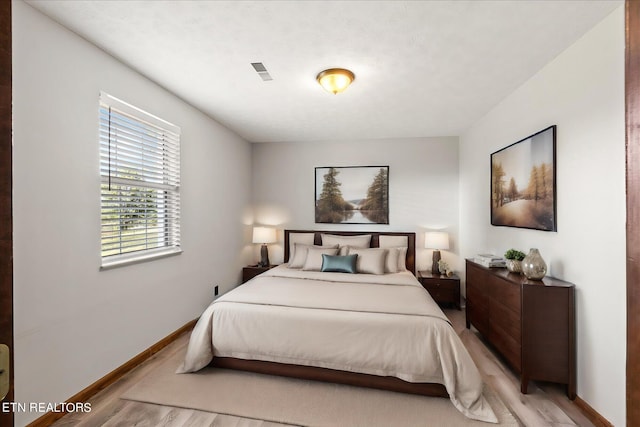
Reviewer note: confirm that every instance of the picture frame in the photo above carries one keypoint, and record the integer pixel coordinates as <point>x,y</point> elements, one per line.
<point>523,183</point>
<point>352,195</point>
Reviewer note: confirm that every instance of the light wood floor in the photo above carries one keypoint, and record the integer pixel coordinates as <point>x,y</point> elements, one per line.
<point>545,405</point>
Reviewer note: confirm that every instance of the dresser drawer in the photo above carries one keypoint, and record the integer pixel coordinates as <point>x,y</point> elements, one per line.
<point>475,271</point>
<point>477,293</point>
<point>478,316</point>
<point>440,283</point>
<point>441,291</point>
<point>506,292</point>
<point>505,319</point>
<point>506,345</point>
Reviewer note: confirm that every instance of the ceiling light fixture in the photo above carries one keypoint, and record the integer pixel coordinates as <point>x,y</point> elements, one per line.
<point>335,80</point>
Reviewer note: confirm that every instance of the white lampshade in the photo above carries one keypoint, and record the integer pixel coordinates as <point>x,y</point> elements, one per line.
<point>264,235</point>
<point>436,240</point>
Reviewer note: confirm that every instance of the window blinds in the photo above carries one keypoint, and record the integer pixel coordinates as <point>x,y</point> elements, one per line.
<point>140,181</point>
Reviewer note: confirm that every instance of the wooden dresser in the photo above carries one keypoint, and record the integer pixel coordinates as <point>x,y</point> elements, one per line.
<point>530,322</point>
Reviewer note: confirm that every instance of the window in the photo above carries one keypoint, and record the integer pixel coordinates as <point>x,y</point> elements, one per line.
<point>140,184</point>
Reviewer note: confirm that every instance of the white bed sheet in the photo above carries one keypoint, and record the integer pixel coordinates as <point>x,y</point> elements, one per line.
<point>385,325</point>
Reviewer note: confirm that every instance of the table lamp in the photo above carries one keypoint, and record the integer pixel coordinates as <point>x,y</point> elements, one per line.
<point>436,240</point>
<point>264,235</point>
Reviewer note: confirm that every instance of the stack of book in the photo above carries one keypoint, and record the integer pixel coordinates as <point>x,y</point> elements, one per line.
<point>490,260</point>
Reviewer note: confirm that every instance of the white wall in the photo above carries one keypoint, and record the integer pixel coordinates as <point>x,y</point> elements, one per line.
<point>423,186</point>
<point>74,323</point>
<point>582,91</point>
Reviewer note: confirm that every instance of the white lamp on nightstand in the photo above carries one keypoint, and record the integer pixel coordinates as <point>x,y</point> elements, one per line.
<point>264,235</point>
<point>436,240</point>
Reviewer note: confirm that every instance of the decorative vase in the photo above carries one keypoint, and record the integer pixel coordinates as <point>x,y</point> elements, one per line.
<point>514,266</point>
<point>533,266</point>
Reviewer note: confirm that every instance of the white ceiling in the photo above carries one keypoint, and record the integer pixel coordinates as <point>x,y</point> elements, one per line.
<point>423,68</point>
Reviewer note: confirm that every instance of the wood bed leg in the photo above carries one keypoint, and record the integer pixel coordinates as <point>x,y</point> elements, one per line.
<point>571,390</point>
<point>524,384</point>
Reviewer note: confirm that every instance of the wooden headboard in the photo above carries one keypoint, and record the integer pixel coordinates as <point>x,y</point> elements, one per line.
<point>411,238</point>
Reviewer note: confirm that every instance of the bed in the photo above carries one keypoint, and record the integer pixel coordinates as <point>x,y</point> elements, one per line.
<point>374,330</point>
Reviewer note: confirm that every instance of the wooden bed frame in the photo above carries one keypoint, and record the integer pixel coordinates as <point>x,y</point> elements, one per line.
<point>331,375</point>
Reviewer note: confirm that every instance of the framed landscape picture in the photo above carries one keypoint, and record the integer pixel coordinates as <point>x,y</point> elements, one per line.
<point>523,183</point>
<point>352,195</point>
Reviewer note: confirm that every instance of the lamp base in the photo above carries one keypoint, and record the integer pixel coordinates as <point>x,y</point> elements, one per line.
<point>264,256</point>
<point>434,265</point>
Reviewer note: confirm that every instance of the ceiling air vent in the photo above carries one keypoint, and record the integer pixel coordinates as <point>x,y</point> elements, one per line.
<point>261,70</point>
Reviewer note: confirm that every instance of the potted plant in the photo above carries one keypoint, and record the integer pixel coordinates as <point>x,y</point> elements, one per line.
<point>514,258</point>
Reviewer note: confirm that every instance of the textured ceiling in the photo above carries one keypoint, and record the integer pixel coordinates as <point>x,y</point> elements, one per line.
<point>423,68</point>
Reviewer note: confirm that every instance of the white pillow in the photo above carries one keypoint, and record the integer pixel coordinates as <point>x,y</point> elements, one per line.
<point>304,238</point>
<point>391,261</point>
<point>398,242</point>
<point>370,260</point>
<point>402,259</point>
<point>360,241</point>
<point>314,257</point>
<point>393,241</point>
<point>301,253</point>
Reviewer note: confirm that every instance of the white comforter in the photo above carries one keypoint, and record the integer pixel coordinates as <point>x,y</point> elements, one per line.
<point>382,325</point>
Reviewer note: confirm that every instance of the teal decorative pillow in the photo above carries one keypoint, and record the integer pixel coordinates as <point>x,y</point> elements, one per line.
<point>339,264</point>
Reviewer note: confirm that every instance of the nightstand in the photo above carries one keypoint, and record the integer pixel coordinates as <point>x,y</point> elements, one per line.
<point>252,271</point>
<point>443,289</point>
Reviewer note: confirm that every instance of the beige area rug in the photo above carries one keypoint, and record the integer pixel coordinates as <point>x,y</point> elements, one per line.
<point>299,402</point>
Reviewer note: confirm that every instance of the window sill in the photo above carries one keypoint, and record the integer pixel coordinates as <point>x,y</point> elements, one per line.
<point>124,260</point>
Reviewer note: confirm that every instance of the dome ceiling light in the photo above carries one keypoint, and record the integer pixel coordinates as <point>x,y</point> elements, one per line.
<point>335,80</point>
